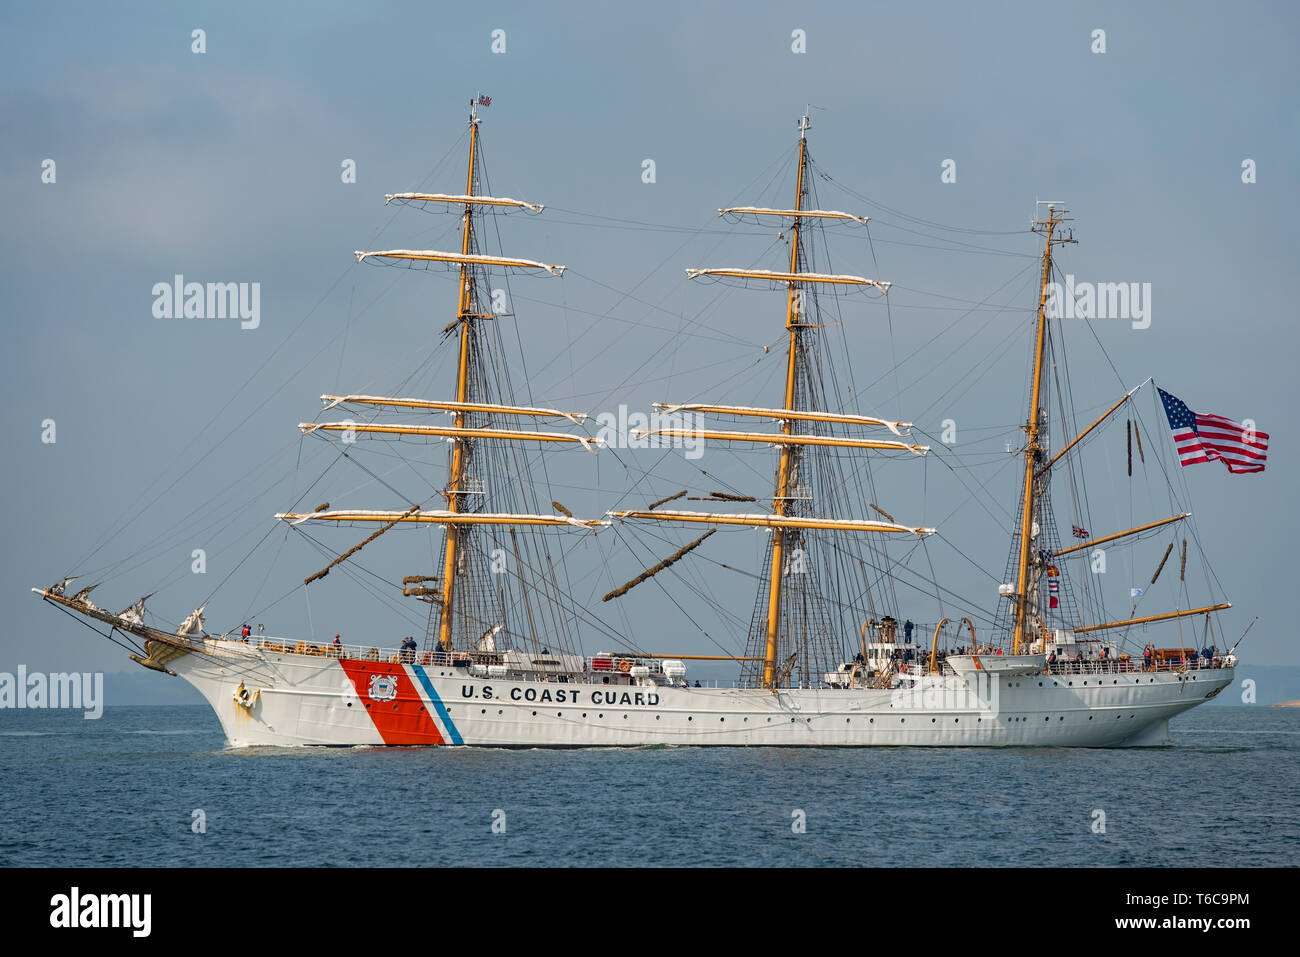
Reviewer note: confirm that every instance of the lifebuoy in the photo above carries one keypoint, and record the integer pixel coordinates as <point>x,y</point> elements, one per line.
<point>624,665</point>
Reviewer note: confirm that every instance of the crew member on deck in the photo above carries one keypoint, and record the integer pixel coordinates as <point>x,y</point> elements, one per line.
<point>408,650</point>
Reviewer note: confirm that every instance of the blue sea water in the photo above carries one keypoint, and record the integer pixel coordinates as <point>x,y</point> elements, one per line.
<point>123,791</point>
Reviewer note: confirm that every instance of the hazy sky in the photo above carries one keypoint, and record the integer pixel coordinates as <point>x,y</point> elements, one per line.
<point>225,166</point>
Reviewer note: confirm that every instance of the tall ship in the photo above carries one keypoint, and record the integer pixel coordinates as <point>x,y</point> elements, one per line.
<point>508,657</point>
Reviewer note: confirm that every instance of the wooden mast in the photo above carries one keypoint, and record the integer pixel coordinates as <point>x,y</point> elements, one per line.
<point>462,391</point>
<point>1033,451</point>
<point>794,306</point>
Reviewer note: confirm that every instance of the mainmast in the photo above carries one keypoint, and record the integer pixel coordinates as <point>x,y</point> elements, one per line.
<point>803,421</point>
<point>790,454</point>
<point>1033,448</point>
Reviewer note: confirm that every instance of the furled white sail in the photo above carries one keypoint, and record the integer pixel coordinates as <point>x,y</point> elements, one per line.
<point>436,517</point>
<point>794,277</point>
<point>83,597</point>
<point>331,401</point>
<point>794,213</point>
<point>464,200</point>
<point>193,625</point>
<point>59,588</point>
<point>489,640</point>
<point>777,438</point>
<point>806,415</point>
<point>434,255</point>
<point>774,521</point>
<point>452,432</point>
<point>135,614</point>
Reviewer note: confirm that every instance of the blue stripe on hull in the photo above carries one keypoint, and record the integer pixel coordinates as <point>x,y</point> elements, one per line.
<point>437,704</point>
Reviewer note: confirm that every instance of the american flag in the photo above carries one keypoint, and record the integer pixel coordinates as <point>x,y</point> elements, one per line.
<point>1202,437</point>
<point>484,100</point>
<point>1079,532</point>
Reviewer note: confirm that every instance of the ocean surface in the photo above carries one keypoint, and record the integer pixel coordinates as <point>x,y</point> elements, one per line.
<point>124,791</point>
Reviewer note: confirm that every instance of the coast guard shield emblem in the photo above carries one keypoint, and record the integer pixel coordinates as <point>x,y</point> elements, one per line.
<point>383,687</point>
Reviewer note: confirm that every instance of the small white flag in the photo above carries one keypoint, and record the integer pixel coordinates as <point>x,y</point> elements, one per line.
<point>1135,593</point>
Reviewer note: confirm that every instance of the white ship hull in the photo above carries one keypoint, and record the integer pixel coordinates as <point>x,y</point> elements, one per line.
<point>304,700</point>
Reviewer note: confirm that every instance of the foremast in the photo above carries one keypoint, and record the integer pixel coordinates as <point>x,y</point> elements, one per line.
<point>463,318</point>
<point>481,399</point>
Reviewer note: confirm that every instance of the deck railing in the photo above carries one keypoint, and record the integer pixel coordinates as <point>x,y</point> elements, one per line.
<point>1133,665</point>
<point>604,665</point>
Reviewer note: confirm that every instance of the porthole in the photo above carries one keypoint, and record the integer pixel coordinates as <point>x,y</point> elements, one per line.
<point>534,714</point>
